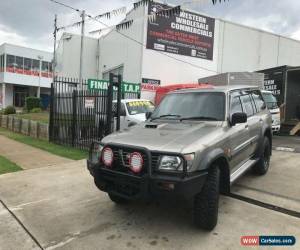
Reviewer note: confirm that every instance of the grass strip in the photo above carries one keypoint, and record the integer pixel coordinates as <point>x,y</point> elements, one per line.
<point>64,151</point>
<point>6,166</point>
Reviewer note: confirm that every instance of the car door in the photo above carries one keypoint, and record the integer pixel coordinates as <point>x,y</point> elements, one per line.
<point>239,134</point>
<point>253,120</point>
<point>260,107</point>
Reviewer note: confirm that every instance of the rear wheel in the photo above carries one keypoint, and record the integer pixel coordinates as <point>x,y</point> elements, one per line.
<point>117,199</point>
<point>206,203</point>
<point>262,166</point>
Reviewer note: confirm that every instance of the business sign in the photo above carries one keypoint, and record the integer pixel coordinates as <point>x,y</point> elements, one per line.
<point>274,82</point>
<point>150,84</point>
<point>150,81</point>
<point>187,33</point>
<point>89,102</point>
<point>103,85</point>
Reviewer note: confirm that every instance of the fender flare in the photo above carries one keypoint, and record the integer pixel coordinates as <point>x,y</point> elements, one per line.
<point>211,157</point>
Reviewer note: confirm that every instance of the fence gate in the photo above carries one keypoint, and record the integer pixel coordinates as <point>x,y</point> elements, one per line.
<point>79,115</point>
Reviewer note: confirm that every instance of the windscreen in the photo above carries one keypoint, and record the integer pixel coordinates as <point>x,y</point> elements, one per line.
<point>139,107</point>
<point>202,105</point>
<point>270,100</point>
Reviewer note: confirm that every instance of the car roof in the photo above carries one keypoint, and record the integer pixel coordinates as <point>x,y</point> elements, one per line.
<point>222,89</point>
<point>132,100</point>
<point>266,91</point>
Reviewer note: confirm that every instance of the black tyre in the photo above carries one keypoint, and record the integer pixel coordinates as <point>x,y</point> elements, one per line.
<point>262,166</point>
<point>206,203</point>
<point>117,199</point>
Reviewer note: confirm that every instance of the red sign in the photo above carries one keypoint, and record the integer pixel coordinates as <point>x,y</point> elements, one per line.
<point>28,72</point>
<point>149,87</point>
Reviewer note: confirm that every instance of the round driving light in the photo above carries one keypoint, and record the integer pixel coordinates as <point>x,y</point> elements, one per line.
<point>107,157</point>
<point>136,162</point>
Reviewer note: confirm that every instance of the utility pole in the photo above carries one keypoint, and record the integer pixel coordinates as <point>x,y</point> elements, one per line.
<point>40,75</point>
<point>81,48</point>
<point>54,49</point>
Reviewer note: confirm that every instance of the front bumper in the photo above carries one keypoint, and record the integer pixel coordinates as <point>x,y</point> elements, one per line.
<point>144,187</point>
<point>275,128</point>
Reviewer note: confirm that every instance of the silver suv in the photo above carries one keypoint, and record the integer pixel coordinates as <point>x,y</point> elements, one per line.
<point>194,145</point>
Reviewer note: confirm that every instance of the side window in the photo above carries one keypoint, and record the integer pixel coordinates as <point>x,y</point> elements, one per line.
<point>259,101</point>
<point>247,103</point>
<point>235,105</point>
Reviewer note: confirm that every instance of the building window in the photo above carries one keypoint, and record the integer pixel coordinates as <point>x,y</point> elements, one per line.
<point>27,66</point>
<point>19,65</point>
<point>36,67</point>
<point>10,63</point>
<point>20,94</point>
<point>2,63</point>
<point>45,69</point>
<point>116,71</point>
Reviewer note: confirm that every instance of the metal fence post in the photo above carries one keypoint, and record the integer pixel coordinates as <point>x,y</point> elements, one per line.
<point>74,118</point>
<point>109,104</point>
<point>119,97</point>
<point>51,124</point>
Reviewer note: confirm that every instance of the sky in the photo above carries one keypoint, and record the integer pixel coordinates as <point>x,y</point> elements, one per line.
<point>30,22</point>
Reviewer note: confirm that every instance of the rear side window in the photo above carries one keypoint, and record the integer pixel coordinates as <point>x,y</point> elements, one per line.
<point>249,109</point>
<point>259,101</point>
<point>236,105</point>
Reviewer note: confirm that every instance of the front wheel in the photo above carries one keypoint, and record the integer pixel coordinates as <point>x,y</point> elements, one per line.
<point>206,203</point>
<point>263,164</point>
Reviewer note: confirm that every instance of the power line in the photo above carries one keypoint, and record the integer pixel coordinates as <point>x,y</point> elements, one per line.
<point>134,40</point>
<point>65,5</point>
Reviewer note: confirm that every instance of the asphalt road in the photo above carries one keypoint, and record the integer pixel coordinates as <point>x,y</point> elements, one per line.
<point>60,208</point>
<point>287,143</point>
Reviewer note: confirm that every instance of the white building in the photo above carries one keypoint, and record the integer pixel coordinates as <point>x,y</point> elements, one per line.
<point>197,45</point>
<point>20,74</point>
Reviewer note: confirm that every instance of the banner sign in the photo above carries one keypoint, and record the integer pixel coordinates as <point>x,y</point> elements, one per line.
<point>273,82</point>
<point>187,33</point>
<point>103,85</point>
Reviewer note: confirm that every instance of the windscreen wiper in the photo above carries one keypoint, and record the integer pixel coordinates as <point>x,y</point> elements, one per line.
<point>162,116</point>
<point>199,118</point>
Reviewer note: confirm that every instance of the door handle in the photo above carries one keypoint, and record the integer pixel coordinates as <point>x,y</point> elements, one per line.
<point>247,126</point>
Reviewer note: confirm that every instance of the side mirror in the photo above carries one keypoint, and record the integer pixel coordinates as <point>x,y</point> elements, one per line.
<point>148,115</point>
<point>238,118</point>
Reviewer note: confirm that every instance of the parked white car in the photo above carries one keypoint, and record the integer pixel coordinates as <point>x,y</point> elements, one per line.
<point>272,105</point>
<point>133,111</point>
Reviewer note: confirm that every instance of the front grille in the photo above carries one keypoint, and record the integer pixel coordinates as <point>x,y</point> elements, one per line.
<point>121,160</point>
<point>154,161</point>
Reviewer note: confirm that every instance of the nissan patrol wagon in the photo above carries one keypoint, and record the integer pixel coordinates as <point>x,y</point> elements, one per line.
<point>194,145</point>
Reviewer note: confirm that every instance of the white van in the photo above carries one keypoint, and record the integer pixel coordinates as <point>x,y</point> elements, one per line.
<point>272,105</point>
<point>133,111</point>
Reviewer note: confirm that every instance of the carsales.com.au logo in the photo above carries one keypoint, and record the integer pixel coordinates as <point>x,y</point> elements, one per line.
<point>268,240</point>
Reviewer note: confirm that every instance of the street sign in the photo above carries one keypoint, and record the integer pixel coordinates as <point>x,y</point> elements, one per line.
<point>127,87</point>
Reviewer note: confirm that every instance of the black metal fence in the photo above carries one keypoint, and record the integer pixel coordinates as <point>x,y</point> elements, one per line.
<point>79,115</point>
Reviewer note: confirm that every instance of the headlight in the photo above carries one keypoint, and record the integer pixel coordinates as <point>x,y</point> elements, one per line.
<point>276,122</point>
<point>175,163</point>
<point>170,163</point>
<point>95,153</point>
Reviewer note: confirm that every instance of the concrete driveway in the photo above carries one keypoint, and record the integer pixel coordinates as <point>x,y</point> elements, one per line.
<point>60,208</point>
